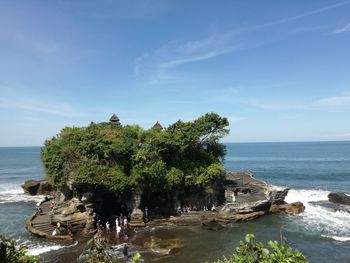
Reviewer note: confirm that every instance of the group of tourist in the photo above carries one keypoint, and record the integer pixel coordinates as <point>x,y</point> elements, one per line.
<point>39,210</point>
<point>121,225</point>
<point>61,230</point>
<point>188,208</point>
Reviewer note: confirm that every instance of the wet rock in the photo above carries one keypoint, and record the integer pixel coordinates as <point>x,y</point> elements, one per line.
<point>37,187</point>
<point>228,218</point>
<point>163,246</point>
<point>339,198</point>
<point>212,225</point>
<point>292,208</point>
<point>249,216</point>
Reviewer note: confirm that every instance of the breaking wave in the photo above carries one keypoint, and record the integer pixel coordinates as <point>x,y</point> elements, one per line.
<point>319,220</point>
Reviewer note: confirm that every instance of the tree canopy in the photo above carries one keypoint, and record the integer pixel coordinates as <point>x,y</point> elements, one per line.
<point>185,154</point>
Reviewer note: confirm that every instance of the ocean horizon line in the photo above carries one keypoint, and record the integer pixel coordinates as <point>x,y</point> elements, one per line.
<point>245,142</point>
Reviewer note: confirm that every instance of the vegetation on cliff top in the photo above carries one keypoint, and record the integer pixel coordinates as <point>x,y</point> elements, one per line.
<point>185,154</point>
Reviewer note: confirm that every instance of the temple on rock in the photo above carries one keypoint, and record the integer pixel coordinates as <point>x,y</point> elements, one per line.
<point>114,119</point>
<point>157,126</point>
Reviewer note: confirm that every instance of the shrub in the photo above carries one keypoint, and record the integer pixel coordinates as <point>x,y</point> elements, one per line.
<point>11,252</point>
<point>249,251</point>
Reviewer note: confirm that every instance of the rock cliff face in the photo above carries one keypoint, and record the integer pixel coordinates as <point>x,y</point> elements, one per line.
<point>76,213</point>
<point>37,187</point>
<point>239,197</point>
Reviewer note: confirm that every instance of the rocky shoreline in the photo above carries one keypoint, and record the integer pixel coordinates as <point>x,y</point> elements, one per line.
<point>246,198</point>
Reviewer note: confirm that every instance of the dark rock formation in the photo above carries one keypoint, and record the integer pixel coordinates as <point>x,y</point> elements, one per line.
<point>339,198</point>
<point>292,208</point>
<point>278,195</point>
<point>331,206</point>
<point>37,187</point>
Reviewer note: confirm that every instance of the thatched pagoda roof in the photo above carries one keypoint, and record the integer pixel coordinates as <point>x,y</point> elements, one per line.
<point>114,119</point>
<point>157,126</point>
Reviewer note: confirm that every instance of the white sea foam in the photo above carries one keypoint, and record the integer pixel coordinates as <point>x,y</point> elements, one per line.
<point>43,249</point>
<point>37,249</point>
<point>14,194</point>
<point>343,239</point>
<point>317,219</point>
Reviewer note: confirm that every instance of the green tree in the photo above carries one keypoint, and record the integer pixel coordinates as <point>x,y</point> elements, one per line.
<point>249,251</point>
<point>186,154</point>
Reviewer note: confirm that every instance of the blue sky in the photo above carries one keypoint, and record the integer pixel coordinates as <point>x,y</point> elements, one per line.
<point>279,70</point>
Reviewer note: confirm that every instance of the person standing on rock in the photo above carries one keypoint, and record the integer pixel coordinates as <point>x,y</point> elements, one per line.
<point>125,250</point>
<point>146,212</point>
<point>121,219</point>
<point>108,227</point>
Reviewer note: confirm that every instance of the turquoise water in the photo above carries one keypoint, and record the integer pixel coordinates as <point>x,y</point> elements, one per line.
<point>311,170</point>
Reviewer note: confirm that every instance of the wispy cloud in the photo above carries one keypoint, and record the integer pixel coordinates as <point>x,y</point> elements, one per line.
<point>343,29</point>
<point>157,64</point>
<point>48,107</point>
<point>333,101</point>
<point>174,54</point>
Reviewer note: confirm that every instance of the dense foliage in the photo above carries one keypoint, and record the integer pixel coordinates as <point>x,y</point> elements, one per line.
<point>10,252</point>
<point>186,154</point>
<point>255,252</point>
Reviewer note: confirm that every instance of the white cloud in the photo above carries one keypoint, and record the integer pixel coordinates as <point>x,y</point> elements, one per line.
<point>343,29</point>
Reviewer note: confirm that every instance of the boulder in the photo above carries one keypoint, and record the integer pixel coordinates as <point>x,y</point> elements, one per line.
<point>339,198</point>
<point>37,187</point>
<point>292,208</point>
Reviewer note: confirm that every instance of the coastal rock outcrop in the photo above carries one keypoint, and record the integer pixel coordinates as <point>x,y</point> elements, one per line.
<point>76,214</point>
<point>37,187</point>
<point>339,198</point>
<point>292,208</point>
<point>248,198</point>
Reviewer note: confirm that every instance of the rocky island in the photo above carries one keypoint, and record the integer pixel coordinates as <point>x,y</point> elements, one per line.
<point>153,177</point>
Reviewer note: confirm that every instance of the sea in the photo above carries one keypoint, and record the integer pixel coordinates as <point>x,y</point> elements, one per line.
<point>310,169</point>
